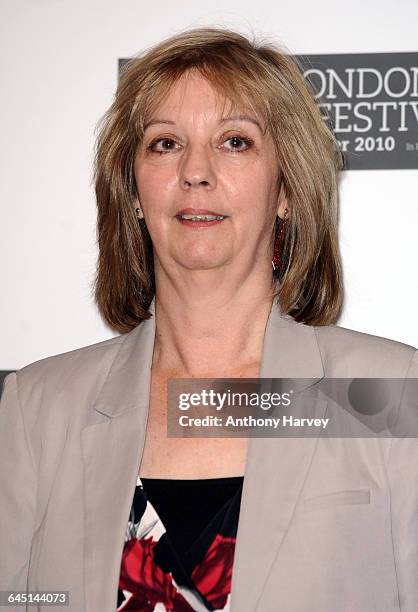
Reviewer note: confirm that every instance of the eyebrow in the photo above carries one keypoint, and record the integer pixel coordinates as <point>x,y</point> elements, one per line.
<point>221,121</point>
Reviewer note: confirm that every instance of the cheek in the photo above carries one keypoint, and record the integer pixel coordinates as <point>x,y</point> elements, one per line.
<point>154,184</point>
<point>256,192</point>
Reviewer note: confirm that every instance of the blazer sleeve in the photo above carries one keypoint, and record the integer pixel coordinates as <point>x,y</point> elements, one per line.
<point>18,490</point>
<point>403,483</point>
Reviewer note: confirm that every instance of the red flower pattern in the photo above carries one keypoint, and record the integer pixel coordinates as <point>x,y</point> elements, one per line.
<point>213,575</point>
<point>147,582</point>
<point>149,585</point>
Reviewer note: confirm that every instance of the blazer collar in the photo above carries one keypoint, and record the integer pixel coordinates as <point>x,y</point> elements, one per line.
<point>127,385</point>
<point>290,350</point>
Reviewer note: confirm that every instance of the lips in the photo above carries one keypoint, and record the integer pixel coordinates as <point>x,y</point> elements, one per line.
<point>199,214</point>
<point>199,217</point>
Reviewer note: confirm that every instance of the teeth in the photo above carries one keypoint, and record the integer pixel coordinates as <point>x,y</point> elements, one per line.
<point>201,217</point>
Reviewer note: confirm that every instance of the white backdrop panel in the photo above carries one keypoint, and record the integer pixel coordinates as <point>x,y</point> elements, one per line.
<point>59,73</point>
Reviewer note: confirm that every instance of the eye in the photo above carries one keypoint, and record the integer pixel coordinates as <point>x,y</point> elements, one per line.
<point>239,144</point>
<point>167,145</point>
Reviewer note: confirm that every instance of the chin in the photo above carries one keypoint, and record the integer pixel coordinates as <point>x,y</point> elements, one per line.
<point>200,258</point>
<point>199,264</point>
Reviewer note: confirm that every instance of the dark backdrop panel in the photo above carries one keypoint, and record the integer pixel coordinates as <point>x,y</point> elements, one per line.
<point>3,374</point>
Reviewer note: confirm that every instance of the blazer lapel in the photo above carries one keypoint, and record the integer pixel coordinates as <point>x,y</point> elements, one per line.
<point>112,447</point>
<point>276,468</point>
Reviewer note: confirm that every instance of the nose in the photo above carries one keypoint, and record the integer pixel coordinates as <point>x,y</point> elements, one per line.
<point>196,170</point>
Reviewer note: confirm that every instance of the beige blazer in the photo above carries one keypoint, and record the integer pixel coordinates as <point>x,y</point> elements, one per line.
<point>326,525</point>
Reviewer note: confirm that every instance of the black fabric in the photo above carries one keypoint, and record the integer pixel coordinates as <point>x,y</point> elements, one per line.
<point>186,507</point>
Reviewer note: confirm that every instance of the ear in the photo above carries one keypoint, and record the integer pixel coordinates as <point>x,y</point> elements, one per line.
<point>282,202</point>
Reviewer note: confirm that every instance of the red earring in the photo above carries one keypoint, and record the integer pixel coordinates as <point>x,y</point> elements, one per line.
<point>278,242</point>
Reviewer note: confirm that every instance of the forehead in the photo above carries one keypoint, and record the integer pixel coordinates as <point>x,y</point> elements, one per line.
<point>192,91</point>
<point>193,85</point>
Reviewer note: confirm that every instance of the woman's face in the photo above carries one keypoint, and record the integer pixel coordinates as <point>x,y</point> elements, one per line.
<point>194,161</point>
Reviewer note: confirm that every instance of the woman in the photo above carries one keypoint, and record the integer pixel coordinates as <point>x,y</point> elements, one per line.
<point>216,183</point>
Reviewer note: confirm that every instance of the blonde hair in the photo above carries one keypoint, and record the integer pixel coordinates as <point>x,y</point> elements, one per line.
<point>259,75</point>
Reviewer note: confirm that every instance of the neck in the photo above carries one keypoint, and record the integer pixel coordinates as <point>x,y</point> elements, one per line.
<point>209,329</point>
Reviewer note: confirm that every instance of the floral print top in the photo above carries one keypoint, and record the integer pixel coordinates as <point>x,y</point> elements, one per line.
<point>188,566</point>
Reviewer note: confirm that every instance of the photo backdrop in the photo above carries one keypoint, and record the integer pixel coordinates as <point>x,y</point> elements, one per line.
<point>59,67</point>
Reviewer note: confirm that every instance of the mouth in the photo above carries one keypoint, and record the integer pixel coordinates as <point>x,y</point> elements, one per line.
<point>199,218</point>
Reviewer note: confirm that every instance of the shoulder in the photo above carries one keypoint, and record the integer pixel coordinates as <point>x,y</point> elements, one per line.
<point>76,368</point>
<point>57,391</point>
<point>355,353</point>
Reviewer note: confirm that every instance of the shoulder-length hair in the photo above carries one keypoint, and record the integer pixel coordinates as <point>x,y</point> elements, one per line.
<point>259,75</point>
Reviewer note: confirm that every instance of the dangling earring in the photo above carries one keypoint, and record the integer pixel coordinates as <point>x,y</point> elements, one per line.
<point>138,212</point>
<point>278,242</point>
